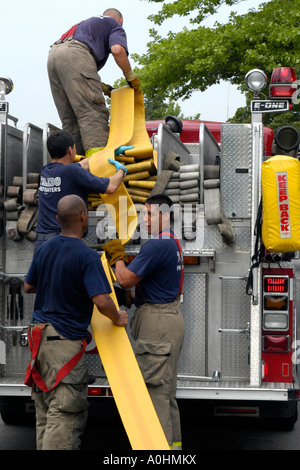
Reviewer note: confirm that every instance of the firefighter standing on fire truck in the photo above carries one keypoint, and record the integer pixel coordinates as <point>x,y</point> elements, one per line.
<point>73,65</point>
<point>158,327</point>
<point>68,279</point>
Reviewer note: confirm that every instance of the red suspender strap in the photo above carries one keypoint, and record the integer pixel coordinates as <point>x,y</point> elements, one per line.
<point>32,375</point>
<point>181,261</point>
<point>69,34</point>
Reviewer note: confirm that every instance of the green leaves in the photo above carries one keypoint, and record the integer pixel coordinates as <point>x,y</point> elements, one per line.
<point>203,8</point>
<point>198,57</point>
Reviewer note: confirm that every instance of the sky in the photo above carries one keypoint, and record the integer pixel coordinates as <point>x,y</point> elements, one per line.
<point>28,28</point>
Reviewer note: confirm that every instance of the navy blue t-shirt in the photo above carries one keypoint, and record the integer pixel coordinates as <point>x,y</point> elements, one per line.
<point>99,33</point>
<point>158,264</point>
<point>58,180</point>
<point>67,275</point>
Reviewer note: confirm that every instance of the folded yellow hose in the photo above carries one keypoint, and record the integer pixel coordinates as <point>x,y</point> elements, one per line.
<point>123,159</point>
<point>138,199</point>
<point>119,204</point>
<point>140,139</point>
<point>141,175</point>
<point>141,166</point>
<point>139,192</point>
<point>136,410</point>
<point>142,184</point>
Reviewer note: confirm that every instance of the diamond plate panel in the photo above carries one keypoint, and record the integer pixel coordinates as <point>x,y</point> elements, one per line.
<point>94,364</point>
<point>208,237</point>
<point>235,315</point>
<point>236,170</point>
<point>193,355</point>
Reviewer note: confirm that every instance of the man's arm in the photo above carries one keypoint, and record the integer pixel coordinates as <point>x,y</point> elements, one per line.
<point>85,163</point>
<point>121,58</point>
<point>107,307</point>
<point>116,255</point>
<point>29,288</point>
<point>122,61</point>
<point>115,181</point>
<point>125,277</point>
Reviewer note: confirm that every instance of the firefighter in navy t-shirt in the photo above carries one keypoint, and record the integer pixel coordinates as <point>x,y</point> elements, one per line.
<point>158,327</point>
<point>68,279</point>
<point>61,177</point>
<point>73,65</point>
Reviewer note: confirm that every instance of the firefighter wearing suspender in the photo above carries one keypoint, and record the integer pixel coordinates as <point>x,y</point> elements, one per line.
<point>68,279</point>
<point>158,326</point>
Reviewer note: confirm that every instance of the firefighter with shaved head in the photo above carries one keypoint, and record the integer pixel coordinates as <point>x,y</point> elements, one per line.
<point>73,65</point>
<point>158,326</point>
<point>68,279</point>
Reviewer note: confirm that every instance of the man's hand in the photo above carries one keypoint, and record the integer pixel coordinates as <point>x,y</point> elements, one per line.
<point>30,289</point>
<point>106,89</point>
<point>122,149</point>
<point>122,319</point>
<point>118,165</point>
<point>132,80</point>
<point>115,251</point>
<point>107,307</point>
<point>85,163</point>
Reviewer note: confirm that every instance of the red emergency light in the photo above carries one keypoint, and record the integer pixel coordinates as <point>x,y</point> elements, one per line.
<point>283,83</point>
<point>276,284</point>
<point>276,343</point>
<point>99,392</point>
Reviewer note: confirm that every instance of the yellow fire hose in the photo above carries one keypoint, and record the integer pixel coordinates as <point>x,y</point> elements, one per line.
<point>119,204</point>
<point>133,401</point>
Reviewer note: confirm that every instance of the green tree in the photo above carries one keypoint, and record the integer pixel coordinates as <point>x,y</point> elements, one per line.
<point>194,59</point>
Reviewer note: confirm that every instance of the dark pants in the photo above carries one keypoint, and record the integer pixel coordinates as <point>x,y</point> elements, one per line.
<point>77,93</point>
<point>61,414</point>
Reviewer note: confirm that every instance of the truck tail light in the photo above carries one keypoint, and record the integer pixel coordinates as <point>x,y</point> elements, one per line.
<point>277,325</point>
<point>276,343</point>
<point>191,260</point>
<point>99,392</point>
<point>275,303</point>
<point>283,83</point>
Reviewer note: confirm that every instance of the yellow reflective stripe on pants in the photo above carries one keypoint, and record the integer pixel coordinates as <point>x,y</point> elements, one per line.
<point>176,446</point>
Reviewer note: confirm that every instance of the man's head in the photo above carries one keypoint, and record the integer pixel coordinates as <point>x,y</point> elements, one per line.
<point>72,214</point>
<point>157,213</point>
<point>114,13</point>
<point>59,144</point>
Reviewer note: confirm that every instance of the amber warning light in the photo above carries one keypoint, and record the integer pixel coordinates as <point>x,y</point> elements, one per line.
<point>275,284</point>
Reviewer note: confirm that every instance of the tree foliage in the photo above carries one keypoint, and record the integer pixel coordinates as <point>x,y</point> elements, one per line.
<point>204,8</point>
<point>194,59</point>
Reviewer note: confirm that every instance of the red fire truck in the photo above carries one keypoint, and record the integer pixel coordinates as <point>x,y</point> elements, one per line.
<point>240,307</point>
